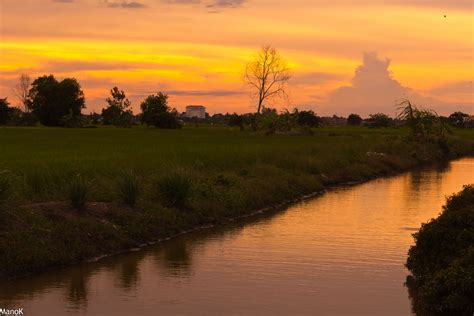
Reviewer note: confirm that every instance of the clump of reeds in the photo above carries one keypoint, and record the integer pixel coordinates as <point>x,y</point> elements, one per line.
<point>129,188</point>
<point>174,189</point>
<point>79,189</point>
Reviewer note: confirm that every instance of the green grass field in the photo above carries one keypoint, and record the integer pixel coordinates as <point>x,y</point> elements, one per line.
<point>215,173</point>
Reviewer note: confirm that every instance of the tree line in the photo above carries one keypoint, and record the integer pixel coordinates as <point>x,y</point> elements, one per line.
<point>60,103</point>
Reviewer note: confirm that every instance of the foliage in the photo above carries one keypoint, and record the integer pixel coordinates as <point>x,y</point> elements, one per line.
<point>272,122</point>
<point>95,118</point>
<point>51,100</point>
<point>425,125</point>
<point>73,121</point>
<point>442,258</point>
<point>267,75</point>
<point>4,111</point>
<point>14,116</point>
<point>156,112</point>
<point>458,119</point>
<point>20,118</point>
<point>378,120</point>
<point>118,112</point>
<point>174,189</point>
<point>237,120</point>
<point>129,188</point>
<point>354,120</point>
<point>78,192</point>
<point>308,118</point>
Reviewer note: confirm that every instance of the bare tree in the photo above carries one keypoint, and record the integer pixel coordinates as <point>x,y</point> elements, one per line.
<point>21,90</point>
<point>268,75</point>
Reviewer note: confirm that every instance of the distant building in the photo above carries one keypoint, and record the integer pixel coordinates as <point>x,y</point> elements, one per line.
<point>197,111</point>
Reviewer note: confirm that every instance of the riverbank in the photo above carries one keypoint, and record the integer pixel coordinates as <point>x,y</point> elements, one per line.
<point>219,173</point>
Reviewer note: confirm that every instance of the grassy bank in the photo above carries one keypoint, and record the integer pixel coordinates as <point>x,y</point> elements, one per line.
<point>143,184</point>
<point>442,260</point>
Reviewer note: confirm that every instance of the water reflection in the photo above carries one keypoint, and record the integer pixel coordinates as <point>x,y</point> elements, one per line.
<point>78,288</point>
<point>175,260</point>
<point>129,272</point>
<point>341,253</point>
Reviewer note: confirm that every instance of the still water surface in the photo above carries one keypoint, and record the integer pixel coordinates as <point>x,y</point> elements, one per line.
<point>341,253</point>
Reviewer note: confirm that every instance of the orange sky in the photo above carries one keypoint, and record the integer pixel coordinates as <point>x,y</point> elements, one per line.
<point>196,50</point>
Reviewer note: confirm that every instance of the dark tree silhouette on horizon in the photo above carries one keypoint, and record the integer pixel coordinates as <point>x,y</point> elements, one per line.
<point>4,111</point>
<point>51,100</point>
<point>354,120</point>
<point>156,112</point>
<point>118,112</point>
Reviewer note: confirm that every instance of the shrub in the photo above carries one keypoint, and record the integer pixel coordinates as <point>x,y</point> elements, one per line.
<point>129,188</point>
<point>378,120</point>
<point>78,192</point>
<point>441,261</point>
<point>72,120</point>
<point>458,119</point>
<point>237,120</point>
<point>174,189</point>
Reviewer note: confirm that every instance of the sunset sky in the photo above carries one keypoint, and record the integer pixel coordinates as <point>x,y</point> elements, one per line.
<point>196,50</point>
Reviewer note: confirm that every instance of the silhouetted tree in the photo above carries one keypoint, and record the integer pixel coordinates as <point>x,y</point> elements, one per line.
<point>4,111</point>
<point>354,119</point>
<point>308,118</point>
<point>21,90</point>
<point>51,100</point>
<point>119,111</point>
<point>268,75</point>
<point>458,119</point>
<point>156,112</point>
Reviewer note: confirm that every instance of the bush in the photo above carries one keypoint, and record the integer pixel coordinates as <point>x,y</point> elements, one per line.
<point>441,261</point>
<point>378,120</point>
<point>78,192</point>
<point>72,120</point>
<point>237,120</point>
<point>174,189</point>
<point>129,188</point>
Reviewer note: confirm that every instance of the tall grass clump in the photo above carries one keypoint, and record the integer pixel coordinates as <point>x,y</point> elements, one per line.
<point>129,188</point>
<point>79,189</point>
<point>5,185</point>
<point>35,182</point>
<point>174,189</point>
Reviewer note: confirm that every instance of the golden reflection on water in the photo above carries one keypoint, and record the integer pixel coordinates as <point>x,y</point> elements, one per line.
<point>339,254</point>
